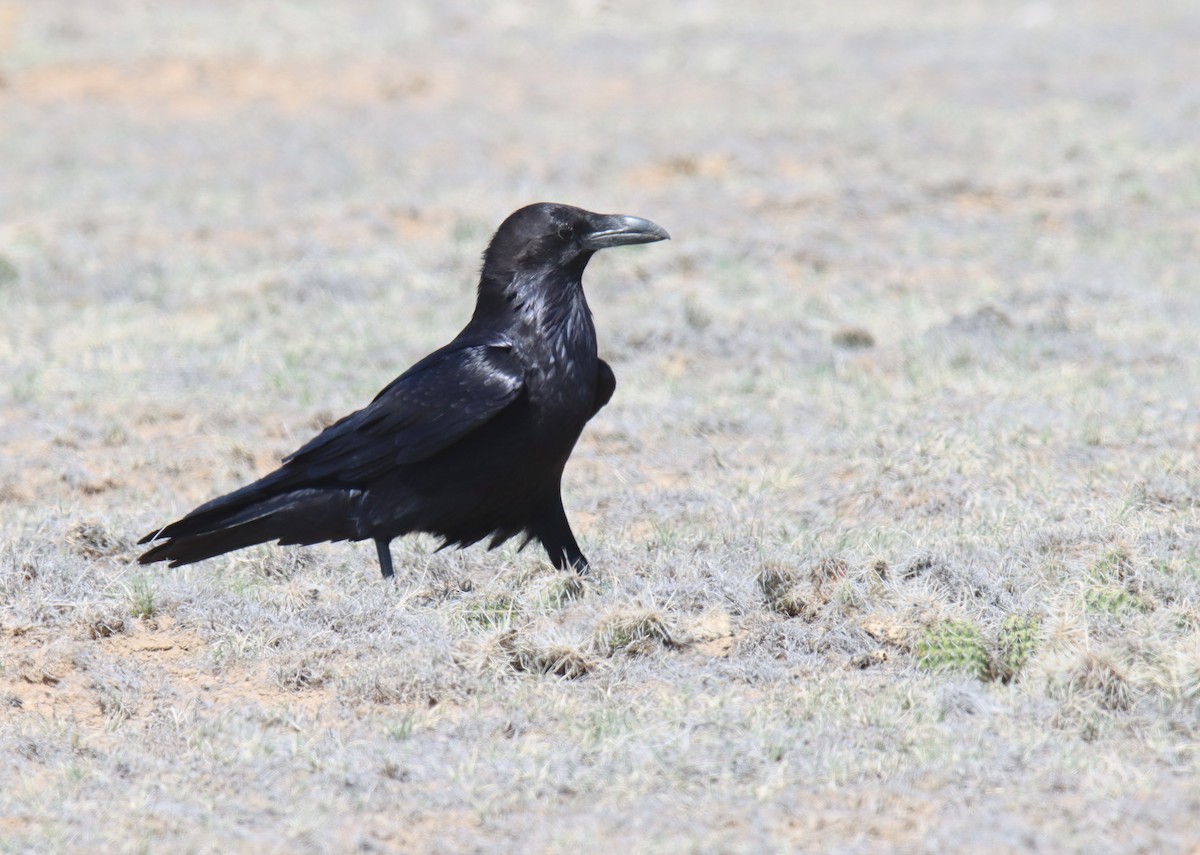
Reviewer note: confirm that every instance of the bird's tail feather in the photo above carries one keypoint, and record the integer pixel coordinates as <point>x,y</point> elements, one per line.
<point>249,502</point>
<point>310,515</point>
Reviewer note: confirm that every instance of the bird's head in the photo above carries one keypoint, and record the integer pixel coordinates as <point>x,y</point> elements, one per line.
<point>548,237</point>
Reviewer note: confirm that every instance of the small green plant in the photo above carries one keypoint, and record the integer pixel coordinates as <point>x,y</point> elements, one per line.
<point>8,272</point>
<point>402,728</point>
<point>1116,565</point>
<point>140,595</point>
<point>562,589</point>
<point>603,723</point>
<point>493,612</point>
<point>775,748</point>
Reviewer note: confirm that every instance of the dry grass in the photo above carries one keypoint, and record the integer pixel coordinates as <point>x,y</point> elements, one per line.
<point>895,515</point>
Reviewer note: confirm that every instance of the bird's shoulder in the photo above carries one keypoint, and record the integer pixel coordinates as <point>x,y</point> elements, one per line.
<point>465,365</point>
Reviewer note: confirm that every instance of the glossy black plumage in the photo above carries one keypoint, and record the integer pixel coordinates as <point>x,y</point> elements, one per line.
<point>469,443</point>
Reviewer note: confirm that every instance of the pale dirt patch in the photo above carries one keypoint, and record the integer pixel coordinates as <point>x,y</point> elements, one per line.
<point>711,633</point>
<point>196,90</point>
<point>48,677</point>
<point>46,683</point>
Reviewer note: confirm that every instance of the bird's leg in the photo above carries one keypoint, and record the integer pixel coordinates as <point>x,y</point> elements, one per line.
<point>567,556</point>
<point>384,548</point>
<point>578,563</point>
<point>554,532</point>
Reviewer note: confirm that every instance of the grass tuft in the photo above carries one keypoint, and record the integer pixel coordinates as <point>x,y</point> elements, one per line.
<point>93,539</point>
<point>781,586</point>
<point>100,622</point>
<point>140,596</point>
<point>490,612</point>
<point>636,631</point>
<point>554,658</point>
<point>1097,678</point>
<point>562,589</point>
<point>303,672</point>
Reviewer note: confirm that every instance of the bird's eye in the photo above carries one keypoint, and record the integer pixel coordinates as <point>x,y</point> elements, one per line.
<point>566,232</point>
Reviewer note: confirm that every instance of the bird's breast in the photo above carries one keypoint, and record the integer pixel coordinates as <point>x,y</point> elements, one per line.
<point>561,372</point>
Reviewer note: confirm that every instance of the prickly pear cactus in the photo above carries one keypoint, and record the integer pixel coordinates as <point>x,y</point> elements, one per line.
<point>958,645</point>
<point>1112,601</point>
<point>1016,641</point>
<point>954,645</point>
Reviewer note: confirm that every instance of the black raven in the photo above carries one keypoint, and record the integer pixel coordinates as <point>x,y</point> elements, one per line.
<point>468,443</point>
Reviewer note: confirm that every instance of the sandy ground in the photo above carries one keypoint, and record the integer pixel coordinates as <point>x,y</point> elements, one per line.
<point>895,515</point>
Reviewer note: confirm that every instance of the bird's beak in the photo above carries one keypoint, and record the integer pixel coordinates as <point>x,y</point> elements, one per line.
<point>619,231</point>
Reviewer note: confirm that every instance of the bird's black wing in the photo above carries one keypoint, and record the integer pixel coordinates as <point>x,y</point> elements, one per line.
<point>442,398</point>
